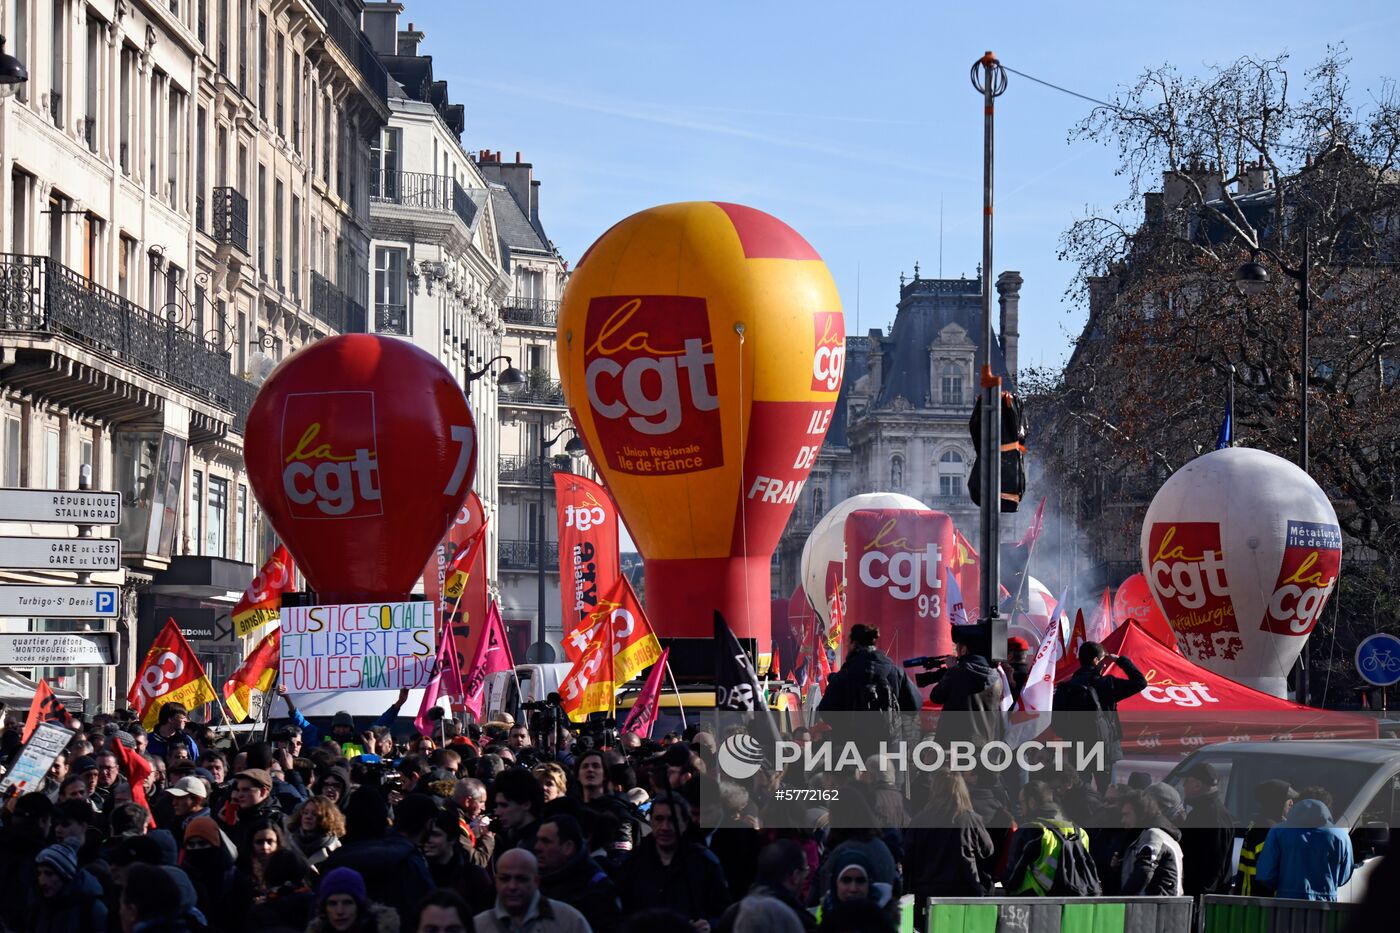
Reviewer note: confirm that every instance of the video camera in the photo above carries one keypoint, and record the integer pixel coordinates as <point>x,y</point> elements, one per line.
<point>935,666</point>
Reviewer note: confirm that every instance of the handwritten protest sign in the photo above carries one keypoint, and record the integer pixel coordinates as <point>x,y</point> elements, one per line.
<point>37,757</point>
<point>361,646</point>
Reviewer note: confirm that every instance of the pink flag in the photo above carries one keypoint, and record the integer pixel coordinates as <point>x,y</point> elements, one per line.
<point>1036,527</point>
<point>644,708</point>
<point>444,675</point>
<point>1101,626</point>
<point>492,656</point>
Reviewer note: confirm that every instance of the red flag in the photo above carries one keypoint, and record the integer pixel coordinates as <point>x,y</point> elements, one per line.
<point>1101,626</point>
<point>621,645</point>
<point>447,676</point>
<point>45,707</point>
<point>461,566</point>
<point>492,655</point>
<point>643,715</point>
<point>588,550</point>
<point>257,672</point>
<point>135,769</point>
<point>1037,526</point>
<point>171,673</point>
<point>1077,637</point>
<point>261,602</point>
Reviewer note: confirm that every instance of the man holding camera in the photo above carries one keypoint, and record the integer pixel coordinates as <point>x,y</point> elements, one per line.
<point>970,692</point>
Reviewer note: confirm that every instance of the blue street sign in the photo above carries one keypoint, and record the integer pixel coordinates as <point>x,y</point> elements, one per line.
<point>105,602</point>
<point>1378,659</point>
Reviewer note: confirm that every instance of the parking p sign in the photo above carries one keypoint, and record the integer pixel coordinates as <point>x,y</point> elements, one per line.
<point>1378,659</point>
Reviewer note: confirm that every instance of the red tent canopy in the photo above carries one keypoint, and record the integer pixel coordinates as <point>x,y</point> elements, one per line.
<point>1185,705</point>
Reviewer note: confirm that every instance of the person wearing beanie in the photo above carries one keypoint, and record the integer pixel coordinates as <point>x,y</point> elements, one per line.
<point>208,858</point>
<point>343,906</point>
<point>67,897</point>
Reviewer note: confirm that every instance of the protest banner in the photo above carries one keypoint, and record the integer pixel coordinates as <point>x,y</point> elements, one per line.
<point>37,757</point>
<point>357,646</point>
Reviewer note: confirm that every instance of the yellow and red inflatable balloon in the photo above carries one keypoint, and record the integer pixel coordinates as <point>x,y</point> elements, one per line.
<point>702,346</point>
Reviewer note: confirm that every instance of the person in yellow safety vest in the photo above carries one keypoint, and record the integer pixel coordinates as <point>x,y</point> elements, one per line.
<point>1048,853</point>
<point>342,726</point>
<point>1272,801</point>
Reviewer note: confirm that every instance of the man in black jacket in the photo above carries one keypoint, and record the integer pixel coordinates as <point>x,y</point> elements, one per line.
<point>970,693</point>
<point>666,871</point>
<point>569,874</point>
<point>1207,834</point>
<point>1091,697</point>
<point>868,681</point>
<point>390,860</point>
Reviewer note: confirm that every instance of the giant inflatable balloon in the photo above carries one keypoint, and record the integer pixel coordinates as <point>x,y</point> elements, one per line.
<point>1241,550</point>
<point>702,346</point>
<point>1134,602</point>
<point>360,450</point>
<point>897,566</point>
<point>824,553</point>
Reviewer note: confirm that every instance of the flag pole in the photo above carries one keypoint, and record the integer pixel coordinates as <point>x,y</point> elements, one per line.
<point>677,690</point>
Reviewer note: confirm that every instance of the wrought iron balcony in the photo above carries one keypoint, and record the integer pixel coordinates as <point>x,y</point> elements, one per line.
<point>334,308</point>
<point>391,319</point>
<point>539,312</point>
<point>355,46</point>
<point>525,555</point>
<point>39,295</point>
<point>422,192</point>
<point>230,218</point>
<point>525,471</point>
<point>538,390</point>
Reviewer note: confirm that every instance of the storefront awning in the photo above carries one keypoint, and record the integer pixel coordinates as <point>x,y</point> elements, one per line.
<point>17,692</point>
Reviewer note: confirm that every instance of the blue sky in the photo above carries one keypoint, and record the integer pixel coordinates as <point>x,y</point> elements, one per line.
<point>848,121</point>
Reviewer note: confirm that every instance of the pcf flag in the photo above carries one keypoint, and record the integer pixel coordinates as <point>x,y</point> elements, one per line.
<point>257,672</point>
<point>45,707</point>
<point>492,655</point>
<point>170,674</point>
<point>588,550</point>
<point>644,709</point>
<point>262,600</point>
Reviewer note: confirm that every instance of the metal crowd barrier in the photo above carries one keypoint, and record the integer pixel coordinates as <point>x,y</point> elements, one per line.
<point>1223,914</point>
<point>1057,915</point>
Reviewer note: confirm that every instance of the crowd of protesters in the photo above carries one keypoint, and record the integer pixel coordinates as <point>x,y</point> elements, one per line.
<point>514,826</point>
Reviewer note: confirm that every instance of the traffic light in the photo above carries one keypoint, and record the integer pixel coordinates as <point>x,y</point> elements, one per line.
<point>1013,452</point>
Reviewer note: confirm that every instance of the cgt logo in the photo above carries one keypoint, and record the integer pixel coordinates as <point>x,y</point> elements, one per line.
<point>1187,696</point>
<point>649,361</point>
<point>1185,569</point>
<point>162,672</point>
<point>829,360</point>
<point>903,572</point>
<point>584,517</point>
<point>331,472</point>
<point>1311,557</point>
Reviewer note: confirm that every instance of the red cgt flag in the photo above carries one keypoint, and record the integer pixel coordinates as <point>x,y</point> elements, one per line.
<point>257,672</point>
<point>171,673</point>
<point>261,603</point>
<point>460,569</point>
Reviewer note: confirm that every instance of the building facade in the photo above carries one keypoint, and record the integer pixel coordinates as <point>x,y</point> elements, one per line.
<point>186,193</point>
<point>901,419</point>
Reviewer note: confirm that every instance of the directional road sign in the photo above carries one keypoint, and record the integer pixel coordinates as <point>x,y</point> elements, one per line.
<point>77,554</point>
<point>60,602</point>
<point>65,506</point>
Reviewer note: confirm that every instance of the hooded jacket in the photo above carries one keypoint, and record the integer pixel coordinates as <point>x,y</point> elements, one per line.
<point>971,692</point>
<point>867,666</point>
<point>78,908</point>
<point>1151,863</point>
<point>1306,857</point>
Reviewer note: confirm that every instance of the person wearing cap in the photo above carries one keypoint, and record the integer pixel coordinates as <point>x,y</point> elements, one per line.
<point>1272,801</point>
<point>250,802</point>
<point>188,797</point>
<point>86,767</point>
<point>343,906</point>
<point>1207,834</point>
<point>68,898</point>
<point>1017,666</point>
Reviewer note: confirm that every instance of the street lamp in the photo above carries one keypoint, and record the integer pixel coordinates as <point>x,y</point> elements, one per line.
<point>510,381</point>
<point>540,652</point>
<point>1252,278</point>
<point>12,72</point>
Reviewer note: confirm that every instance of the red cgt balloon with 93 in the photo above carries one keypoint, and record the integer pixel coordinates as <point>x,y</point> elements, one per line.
<point>361,450</point>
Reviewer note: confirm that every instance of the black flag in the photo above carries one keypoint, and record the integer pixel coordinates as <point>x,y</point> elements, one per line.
<point>737,688</point>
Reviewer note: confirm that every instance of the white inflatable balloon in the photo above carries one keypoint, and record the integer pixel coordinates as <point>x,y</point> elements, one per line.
<point>826,545</point>
<point>1241,550</point>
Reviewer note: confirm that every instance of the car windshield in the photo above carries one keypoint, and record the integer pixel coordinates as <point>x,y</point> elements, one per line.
<point>1240,774</point>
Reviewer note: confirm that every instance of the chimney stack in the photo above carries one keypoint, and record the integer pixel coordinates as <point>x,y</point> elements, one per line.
<point>408,41</point>
<point>380,21</point>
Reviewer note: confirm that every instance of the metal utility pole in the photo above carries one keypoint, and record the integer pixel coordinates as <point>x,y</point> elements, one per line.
<point>989,78</point>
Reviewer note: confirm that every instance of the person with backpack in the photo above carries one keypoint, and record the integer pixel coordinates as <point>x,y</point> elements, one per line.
<point>868,681</point>
<point>1090,698</point>
<point>1049,855</point>
<point>970,692</point>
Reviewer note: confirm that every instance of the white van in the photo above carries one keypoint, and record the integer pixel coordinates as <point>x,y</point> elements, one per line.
<point>1363,777</point>
<point>536,683</point>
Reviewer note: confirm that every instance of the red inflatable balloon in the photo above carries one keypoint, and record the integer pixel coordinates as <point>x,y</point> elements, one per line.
<point>1134,602</point>
<point>360,449</point>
